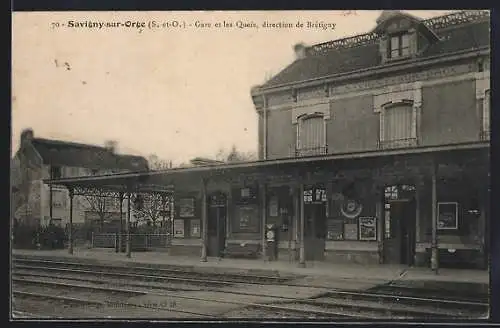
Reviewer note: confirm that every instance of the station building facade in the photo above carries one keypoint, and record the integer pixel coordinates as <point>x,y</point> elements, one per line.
<point>373,149</point>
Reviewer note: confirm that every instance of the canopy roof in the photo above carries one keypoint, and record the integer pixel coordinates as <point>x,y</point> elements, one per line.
<point>178,178</point>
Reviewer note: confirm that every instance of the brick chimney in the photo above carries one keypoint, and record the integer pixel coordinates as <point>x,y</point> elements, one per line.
<point>27,135</point>
<point>300,50</point>
<point>111,145</point>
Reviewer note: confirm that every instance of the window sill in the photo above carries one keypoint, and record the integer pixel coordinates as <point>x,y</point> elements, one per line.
<point>400,58</point>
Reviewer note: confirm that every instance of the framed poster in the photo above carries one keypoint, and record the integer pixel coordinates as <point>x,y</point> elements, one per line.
<point>186,207</point>
<point>367,228</point>
<point>447,215</point>
<point>273,206</point>
<point>178,228</point>
<point>195,228</point>
<point>335,229</point>
<point>351,231</point>
<point>246,219</point>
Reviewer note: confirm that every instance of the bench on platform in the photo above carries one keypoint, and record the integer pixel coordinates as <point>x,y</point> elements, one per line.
<point>238,250</point>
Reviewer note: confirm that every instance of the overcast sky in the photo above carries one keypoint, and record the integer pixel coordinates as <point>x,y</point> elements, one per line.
<point>177,93</point>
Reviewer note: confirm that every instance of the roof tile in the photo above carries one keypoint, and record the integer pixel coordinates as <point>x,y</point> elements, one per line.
<point>63,153</point>
<point>459,31</point>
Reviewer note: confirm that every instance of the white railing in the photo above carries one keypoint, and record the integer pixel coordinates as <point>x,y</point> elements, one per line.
<point>138,241</point>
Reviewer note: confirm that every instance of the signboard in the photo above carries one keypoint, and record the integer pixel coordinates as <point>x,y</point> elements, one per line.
<point>186,207</point>
<point>351,208</point>
<point>367,228</point>
<point>178,228</point>
<point>351,231</point>
<point>447,215</point>
<point>195,228</point>
<point>315,196</point>
<point>335,229</point>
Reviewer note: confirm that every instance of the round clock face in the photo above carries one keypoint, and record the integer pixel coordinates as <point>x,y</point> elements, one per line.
<point>351,208</point>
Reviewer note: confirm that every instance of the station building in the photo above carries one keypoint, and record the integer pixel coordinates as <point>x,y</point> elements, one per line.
<point>373,149</point>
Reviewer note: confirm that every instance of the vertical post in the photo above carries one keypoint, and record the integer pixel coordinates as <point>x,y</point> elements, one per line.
<point>418,214</point>
<point>116,242</point>
<point>263,218</point>
<point>204,221</point>
<point>302,254</point>
<point>128,224</point>
<point>50,203</point>
<point>379,213</point>
<point>434,242</point>
<point>70,230</point>
<point>92,241</point>
<point>229,201</point>
<point>120,235</point>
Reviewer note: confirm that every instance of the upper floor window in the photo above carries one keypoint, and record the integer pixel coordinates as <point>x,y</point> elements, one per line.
<point>311,135</point>
<point>397,126</point>
<point>399,46</point>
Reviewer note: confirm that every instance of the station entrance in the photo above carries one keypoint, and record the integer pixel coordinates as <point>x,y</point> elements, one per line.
<point>314,202</point>
<point>217,214</point>
<point>399,224</point>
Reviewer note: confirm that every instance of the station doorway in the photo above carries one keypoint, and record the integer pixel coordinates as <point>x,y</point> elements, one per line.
<point>399,224</point>
<point>314,202</point>
<point>217,214</point>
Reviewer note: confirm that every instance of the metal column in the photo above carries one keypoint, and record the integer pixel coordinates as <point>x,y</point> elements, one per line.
<point>434,242</point>
<point>120,235</point>
<point>128,225</point>
<point>204,220</point>
<point>70,230</point>
<point>263,218</point>
<point>302,254</point>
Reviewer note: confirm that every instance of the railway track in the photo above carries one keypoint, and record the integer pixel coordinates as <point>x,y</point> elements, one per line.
<point>163,272</point>
<point>53,280</point>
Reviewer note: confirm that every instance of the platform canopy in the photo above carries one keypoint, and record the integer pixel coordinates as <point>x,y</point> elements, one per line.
<point>162,181</point>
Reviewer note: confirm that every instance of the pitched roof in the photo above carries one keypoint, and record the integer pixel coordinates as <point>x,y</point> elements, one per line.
<point>465,30</point>
<point>64,153</point>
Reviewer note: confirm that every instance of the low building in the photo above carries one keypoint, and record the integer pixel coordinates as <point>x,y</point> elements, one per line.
<point>37,203</point>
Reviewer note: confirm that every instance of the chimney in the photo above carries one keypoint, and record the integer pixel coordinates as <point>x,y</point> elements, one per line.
<point>110,145</point>
<point>300,50</point>
<point>27,135</point>
<point>387,14</point>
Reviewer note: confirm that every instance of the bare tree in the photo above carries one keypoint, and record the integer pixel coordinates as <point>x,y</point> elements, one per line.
<point>152,208</point>
<point>100,204</point>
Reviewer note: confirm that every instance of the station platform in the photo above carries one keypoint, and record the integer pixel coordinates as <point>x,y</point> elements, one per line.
<point>315,274</point>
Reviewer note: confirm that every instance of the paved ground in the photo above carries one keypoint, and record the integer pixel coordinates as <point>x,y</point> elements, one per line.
<point>320,274</point>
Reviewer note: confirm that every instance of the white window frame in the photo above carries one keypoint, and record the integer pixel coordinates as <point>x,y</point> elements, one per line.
<point>486,111</point>
<point>393,95</point>
<point>400,49</point>
<point>482,89</point>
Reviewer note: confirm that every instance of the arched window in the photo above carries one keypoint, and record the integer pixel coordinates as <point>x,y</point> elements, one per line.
<point>311,135</point>
<point>398,125</point>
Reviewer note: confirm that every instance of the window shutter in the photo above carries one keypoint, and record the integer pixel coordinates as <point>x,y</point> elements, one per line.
<point>398,124</point>
<point>311,135</point>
